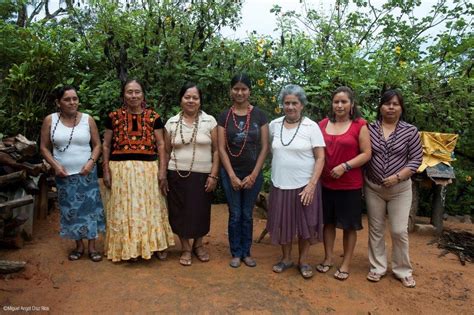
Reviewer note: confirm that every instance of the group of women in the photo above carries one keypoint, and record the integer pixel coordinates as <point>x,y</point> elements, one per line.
<point>319,172</point>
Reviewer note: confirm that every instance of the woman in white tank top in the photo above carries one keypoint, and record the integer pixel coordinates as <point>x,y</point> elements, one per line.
<point>66,141</point>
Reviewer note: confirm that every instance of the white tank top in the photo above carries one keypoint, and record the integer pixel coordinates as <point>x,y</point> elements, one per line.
<point>79,151</point>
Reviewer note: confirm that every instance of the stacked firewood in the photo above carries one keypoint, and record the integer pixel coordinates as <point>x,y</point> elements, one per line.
<point>460,243</point>
<point>17,172</point>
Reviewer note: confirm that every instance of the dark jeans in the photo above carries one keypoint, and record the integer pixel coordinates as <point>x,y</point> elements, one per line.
<point>241,203</point>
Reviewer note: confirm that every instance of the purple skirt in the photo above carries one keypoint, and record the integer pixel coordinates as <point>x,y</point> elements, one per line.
<point>289,219</point>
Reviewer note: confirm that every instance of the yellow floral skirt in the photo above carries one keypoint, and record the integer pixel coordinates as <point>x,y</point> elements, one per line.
<point>137,216</point>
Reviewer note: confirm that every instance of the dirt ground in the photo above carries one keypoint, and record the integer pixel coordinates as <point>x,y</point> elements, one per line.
<point>51,282</point>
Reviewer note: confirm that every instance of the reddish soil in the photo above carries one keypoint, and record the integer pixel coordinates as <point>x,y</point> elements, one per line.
<point>50,281</point>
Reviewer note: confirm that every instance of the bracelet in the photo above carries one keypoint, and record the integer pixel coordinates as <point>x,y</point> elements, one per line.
<point>347,167</point>
<point>214,177</point>
<point>91,159</point>
<point>398,177</point>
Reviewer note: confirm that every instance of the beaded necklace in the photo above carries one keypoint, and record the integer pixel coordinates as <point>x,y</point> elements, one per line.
<point>245,129</point>
<point>191,140</point>
<point>70,136</point>
<point>125,125</point>
<point>296,132</point>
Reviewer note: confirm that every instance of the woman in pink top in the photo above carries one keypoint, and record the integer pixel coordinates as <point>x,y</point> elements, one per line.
<point>347,149</point>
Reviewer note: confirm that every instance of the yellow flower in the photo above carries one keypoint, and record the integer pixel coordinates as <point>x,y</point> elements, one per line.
<point>398,50</point>
<point>277,109</point>
<point>274,99</point>
<point>468,178</point>
<point>259,49</point>
<point>260,82</point>
<point>403,64</point>
<point>261,42</point>
<point>168,20</point>
<point>269,53</point>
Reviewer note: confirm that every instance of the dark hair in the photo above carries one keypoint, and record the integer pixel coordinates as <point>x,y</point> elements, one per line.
<point>386,97</point>
<point>241,78</point>
<point>188,85</point>
<point>59,91</point>
<point>292,89</point>
<point>124,85</point>
<point>355,113</point>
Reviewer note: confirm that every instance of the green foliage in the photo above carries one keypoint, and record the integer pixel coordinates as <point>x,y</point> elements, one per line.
<point>97,44</point>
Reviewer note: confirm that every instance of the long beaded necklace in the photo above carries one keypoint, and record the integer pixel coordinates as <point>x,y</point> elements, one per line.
<point>245,129</point>
<point>296,132</point>
<point>192,140</point>
<point>70,136</point>
<point>125,125</point>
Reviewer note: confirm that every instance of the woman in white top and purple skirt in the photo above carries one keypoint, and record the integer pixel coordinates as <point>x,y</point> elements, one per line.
<point>295,208</point>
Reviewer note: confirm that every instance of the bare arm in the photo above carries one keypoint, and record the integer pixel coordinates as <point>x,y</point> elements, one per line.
<point>162,155</point>
<point>106,156</point>
<point>308,192</point>
<point>224,158</point>
<point>211,182</point>
<point>46,147</point>
<point>96,148</point>
<point>363,157</point>
<point>249,181</point>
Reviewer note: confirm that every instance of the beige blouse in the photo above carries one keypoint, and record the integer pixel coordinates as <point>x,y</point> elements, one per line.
<point>181,154</point>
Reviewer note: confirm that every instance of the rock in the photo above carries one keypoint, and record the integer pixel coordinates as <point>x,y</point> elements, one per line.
<point>466,219</point>
<point>452,218</point>
<point>425,229</point>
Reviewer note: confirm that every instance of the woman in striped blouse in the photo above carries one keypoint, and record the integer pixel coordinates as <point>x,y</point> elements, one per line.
<point>396,155</point>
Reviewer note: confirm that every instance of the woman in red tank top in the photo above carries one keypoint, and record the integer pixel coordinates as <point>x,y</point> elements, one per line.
<point>347,149</point>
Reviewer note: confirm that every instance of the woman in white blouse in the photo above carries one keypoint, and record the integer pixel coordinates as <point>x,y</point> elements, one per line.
<point>295,199</point>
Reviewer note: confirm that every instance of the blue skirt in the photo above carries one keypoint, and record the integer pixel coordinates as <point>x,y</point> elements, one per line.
<point>82,213</point>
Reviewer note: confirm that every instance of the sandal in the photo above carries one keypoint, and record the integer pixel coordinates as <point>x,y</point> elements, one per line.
<point>408,282</point>
<point>161,255</point>
<point>281,266</point>
<point>341,275</point>
<point>186,258</point>
<point>306,270</point>
<point>95,256</point>
<point>374,277</point>
<point>323,268</point>
<point>201,253</point>
<point>75,255</point>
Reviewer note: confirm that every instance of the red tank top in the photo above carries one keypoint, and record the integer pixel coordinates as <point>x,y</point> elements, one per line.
<point>340,149</point>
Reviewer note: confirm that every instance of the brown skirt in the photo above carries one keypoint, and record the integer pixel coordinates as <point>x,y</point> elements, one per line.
<point>189,205</point>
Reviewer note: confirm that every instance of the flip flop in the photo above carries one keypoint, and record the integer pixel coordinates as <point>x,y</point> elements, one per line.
<point>374,277</point>
<point>341,275</point>
<point>95,256</point>
<point>201,253</point>
<point>408,282</point>
<point>306,271</point>
<point>186,258</point>
<point>75,255</point>
<point>323,268</point>
<point>281,266</point>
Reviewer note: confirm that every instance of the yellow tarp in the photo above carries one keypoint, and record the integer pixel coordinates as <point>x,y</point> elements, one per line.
<point>437,148</point>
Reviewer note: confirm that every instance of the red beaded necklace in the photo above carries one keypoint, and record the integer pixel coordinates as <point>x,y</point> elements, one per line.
<point>245,129</point>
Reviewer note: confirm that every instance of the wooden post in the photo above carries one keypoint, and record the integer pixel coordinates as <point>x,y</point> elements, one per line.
<point>437,206</point>
<point>415,186</point>
<point>41,200</point>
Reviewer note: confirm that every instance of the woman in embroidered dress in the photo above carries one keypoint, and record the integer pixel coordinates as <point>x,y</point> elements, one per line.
<point>137,217</point>
<point>70,134</point>
<point>191,145</point>
<point>347,149</point>
<point>295,209</point>
<point>243,146</point>
<point>396,155</point>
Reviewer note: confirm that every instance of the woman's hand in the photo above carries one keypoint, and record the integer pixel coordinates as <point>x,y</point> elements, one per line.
<point>60,171</point>
<point>107,178</point>
<point>248,182</point>
<point>87,168</point>
<point>390,181</point>
<point>307,194</point>
<point>236,183</point>
<point>163,183</point>
<point>338,171</point>
<point>211,184</point>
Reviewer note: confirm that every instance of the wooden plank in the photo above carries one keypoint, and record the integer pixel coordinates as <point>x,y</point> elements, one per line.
<point>11,204</point>
<point>15,177</point>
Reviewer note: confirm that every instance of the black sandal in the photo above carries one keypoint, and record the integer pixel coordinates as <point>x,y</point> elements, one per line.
<point>75,255</point>
<point>95,256</point>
